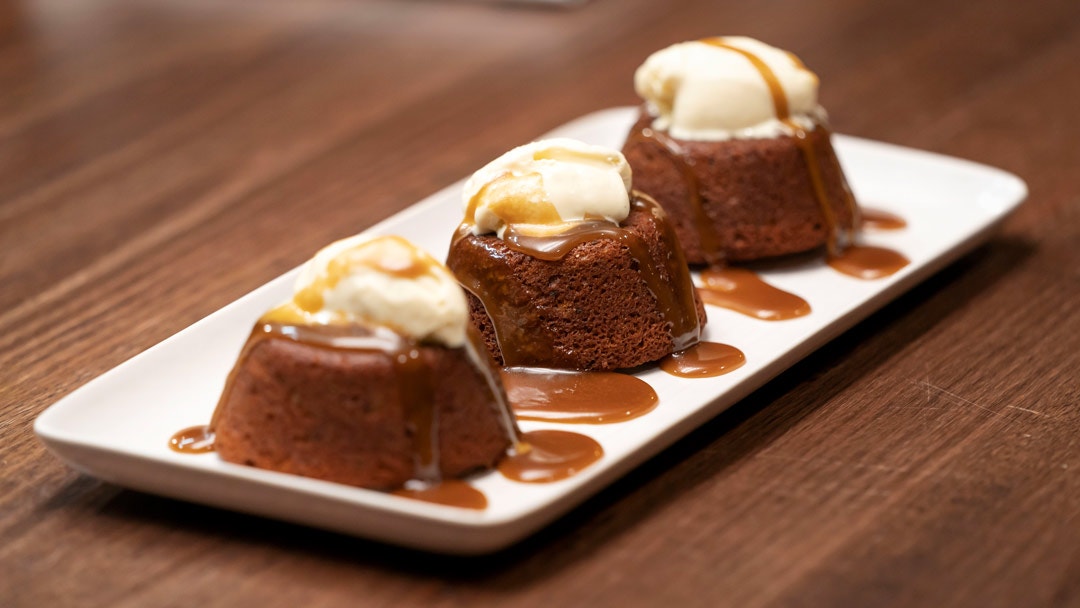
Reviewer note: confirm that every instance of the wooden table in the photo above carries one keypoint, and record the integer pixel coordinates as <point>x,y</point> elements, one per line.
<point>160,159</point>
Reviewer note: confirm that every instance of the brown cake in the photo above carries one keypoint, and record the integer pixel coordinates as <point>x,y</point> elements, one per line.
<point>593,295</point>
<point>359,402</point>
<point>737,189</point>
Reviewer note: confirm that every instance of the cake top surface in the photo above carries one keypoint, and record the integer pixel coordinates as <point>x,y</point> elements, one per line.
<point>728,87</point>
<point>382,281</point>
<point>543,187</point>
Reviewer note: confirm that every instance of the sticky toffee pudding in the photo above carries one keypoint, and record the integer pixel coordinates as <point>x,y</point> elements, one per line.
<point>568,267</point>
<point>734,145</point>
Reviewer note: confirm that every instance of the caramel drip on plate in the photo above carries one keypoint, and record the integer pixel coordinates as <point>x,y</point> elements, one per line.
<point>193,440</point>
<point>674,298</point>
<point>452,492</point>
<point>876,219</point>
<point>704,360</point>
<point>866,262</point>
<point>743,291</point>
<point>577,397</point>
<point>546,456</point>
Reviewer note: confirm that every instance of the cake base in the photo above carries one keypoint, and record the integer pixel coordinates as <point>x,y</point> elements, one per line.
<point>344,415</point>
<point>592,309</point>
<point>756,195</point>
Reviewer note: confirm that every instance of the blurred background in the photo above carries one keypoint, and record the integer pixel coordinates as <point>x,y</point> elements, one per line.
<point>158,114</point>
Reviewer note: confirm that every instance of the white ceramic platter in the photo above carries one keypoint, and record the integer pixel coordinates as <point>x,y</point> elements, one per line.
<point>117,426</point>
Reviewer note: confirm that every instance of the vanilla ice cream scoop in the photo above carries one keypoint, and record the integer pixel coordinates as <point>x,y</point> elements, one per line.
<point>543,187</point>
<point>719,88</point>
<point>383,281</point>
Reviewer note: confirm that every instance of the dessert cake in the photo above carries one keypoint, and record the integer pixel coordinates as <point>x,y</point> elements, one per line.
<point>733,144</point>
<point>568,267</point>
<point>367,377</point>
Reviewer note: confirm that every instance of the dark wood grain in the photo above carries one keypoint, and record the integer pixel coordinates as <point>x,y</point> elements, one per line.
<point>158,159</point>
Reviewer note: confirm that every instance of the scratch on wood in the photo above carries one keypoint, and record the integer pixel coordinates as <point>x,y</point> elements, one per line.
<point>1024,409</point>
<point>955,397</point>
<point>825,461</point>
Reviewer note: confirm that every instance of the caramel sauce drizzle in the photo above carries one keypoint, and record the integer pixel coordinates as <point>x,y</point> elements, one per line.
<point>452,492</point>
<point>675,302</point>
<point>799,136</point>
<point>547,456</point>
<point>711,243</point>
<point>743,291</point>
<point>704,360</point>
<point>307,301</point>
<point>417,398</point>
<point>868,262</point>
<point>843,254</point>
<point>876,219</point>
<point>193,440</point>
<point>577,397</point>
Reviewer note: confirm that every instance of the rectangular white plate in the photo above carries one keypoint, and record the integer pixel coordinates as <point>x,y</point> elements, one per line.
<point>116,427</point>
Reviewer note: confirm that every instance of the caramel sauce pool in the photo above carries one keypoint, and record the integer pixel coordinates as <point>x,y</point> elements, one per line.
<point>866,262</point>
<point>744,292</point>
<point>876,219</point>
<point>193,440</point>
<point>452,492</point>
<point>546,456</point>
<point>704,360</point>
<point>576,397</point>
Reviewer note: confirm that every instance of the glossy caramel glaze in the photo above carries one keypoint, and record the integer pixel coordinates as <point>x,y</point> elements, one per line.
<point>367,255</point>
<point>705,227</point>
<point>546,456</point>
<point>876,219</point>
<point>576,397</point>
<point>451,492</point>
<point>193,440</point>
<point>704,360</point>
<point>867,262</point>
<point>745,292</point>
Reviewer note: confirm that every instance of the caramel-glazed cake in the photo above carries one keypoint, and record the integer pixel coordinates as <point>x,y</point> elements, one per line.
<point>733,144</point>
<point>367,377</point>
<point>567,267</point>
